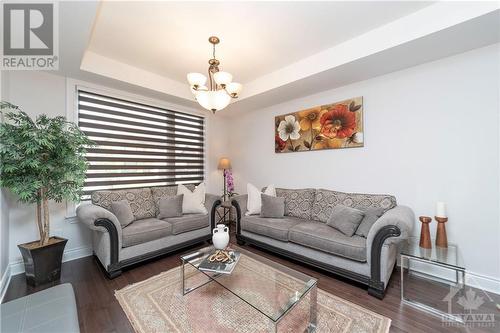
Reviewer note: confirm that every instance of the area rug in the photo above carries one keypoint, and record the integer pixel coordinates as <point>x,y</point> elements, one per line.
<point>157,305</point>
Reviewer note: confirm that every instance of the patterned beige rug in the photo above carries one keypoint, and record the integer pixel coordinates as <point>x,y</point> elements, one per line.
<point>157,305</point>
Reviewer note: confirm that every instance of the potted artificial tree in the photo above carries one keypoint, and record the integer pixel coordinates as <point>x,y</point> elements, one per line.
<point>41,159</point>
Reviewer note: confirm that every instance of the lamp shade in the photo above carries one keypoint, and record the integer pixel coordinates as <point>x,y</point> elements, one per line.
<point>223,78</point>
<point>196,79</point>
<point>234,88</point>
<point>224,163</point>
<point>213,100</point>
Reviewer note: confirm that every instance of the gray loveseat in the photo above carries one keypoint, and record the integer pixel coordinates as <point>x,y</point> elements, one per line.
<point>303,234</point>
<point>147,237</point>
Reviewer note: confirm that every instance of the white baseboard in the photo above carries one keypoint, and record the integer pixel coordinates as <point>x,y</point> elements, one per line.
<point>483,282</point>
<point>4,282</point>
<point>17,267</point>
<point>486,283</point>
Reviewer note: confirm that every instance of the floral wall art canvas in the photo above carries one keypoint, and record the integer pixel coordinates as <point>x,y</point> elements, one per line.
<point>331,126</point>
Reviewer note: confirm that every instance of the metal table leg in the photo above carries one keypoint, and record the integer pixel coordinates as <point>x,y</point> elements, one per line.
<point>313,314</point>
<point>421,306</point>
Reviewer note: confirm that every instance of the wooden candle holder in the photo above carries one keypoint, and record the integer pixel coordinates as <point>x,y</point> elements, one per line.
<point>441,239</point>
<point>425,234</point>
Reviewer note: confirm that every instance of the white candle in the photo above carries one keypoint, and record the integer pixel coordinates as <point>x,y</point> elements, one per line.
<point>440,209</point>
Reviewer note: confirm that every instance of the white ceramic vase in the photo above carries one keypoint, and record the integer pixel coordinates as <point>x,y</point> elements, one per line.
<point>220,236</point>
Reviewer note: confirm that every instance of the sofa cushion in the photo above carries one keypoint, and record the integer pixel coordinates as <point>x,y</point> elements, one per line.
<point>254,199</point>
<point>123,212</point>
<point>142,231</point>
<point>325,200</point>
<point>371,216</point>
<point>320,236</point>
<point>345,219</point>
<point>298,203</point>
<point>270,227</point>
<point>272,206</point>
<point>160,192</point>
<point>170,206</point>
<point>193,202</point>
<point>140,200</point>
<point>187,222</point>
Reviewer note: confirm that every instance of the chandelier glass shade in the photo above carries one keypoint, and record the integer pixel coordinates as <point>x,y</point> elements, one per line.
<point>218,92</point>
<point>213,100</point>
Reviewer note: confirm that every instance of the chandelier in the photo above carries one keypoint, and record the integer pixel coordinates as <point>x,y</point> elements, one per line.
<point>220,89</point>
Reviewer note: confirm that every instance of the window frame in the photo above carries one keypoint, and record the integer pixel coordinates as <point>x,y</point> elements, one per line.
<point>72,87</point>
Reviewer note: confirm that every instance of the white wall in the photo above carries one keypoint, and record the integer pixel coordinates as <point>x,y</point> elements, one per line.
<point>218,138</point>
<point>40,92</point>
<point>4,216</point>
<point>431,133</point>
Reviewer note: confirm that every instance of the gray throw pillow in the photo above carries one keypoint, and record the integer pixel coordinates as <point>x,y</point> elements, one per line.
<point>123,212</point>
<point>273,207</point>
<point>345,219</point>
<point>371,216</point>
<point>170,206</point>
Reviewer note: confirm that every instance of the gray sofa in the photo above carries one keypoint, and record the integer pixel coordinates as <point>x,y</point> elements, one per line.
<point>303,234</point>
<point>147,237</point>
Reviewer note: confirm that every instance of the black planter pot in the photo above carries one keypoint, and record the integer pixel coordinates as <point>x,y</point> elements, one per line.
<point>43,264</point>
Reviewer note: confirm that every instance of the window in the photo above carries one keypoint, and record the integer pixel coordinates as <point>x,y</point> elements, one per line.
<point>138,145</point>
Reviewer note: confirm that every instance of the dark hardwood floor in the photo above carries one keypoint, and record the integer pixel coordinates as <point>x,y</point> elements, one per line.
<point>99,311</point>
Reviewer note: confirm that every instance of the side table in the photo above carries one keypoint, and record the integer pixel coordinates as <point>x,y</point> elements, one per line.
<point>419,262</point>
<point>224,216</point>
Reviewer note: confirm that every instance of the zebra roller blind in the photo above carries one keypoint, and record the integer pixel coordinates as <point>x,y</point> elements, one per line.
<point>138,145</point>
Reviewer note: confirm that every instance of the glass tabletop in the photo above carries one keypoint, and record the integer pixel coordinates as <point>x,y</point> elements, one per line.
<point>269,287</point>
<point>445,256</point>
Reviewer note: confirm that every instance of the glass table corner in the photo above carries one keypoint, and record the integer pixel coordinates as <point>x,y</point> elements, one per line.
<point>432,269</point>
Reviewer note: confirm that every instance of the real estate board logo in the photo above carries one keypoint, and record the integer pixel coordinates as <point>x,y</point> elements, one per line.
<point>30,39</point>
<point>474,312</point>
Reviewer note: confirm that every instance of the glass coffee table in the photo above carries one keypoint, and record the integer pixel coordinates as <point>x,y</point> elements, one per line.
<point>279,293</point>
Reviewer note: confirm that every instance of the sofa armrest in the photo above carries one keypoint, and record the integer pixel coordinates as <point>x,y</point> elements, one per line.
<point>393,227</point>
<point>210,199</point>
<point>400,217</point>
<point>240,203</point>
<point>100,219</point>
<point>211,203</point>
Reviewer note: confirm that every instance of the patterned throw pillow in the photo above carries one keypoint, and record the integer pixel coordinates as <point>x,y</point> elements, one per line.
<point>140,200</point>
<point>298,203</point>
<point>326,200</point>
